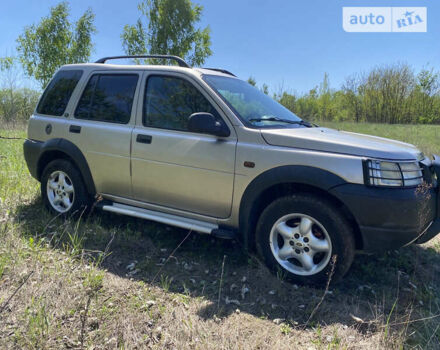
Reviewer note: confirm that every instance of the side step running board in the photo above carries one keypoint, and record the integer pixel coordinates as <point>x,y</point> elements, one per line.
<point>169,219</point>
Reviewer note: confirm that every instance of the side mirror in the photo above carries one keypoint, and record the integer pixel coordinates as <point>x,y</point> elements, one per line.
<point>207,124</point>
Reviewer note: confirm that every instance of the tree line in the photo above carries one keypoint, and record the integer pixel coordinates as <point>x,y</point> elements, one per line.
<point>385,94</point>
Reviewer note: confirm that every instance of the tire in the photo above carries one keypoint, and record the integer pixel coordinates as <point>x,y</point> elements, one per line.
<point>63,189</point>
<point>300,234</point>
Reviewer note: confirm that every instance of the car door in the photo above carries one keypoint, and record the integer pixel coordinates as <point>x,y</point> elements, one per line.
<point>173,167</point>
<point>102,125</point>
<point>48,121</point>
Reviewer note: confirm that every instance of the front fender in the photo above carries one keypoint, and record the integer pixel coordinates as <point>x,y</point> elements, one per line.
<point>289,174</point>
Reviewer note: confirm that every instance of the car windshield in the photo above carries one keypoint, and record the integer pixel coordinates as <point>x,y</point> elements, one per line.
<point>251,105</point>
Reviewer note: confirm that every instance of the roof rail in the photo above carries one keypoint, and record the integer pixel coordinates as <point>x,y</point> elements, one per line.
<point>179,61</point>
<point>221,71</point>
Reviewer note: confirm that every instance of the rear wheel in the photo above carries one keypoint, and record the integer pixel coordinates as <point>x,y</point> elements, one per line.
<point>63,189</point>
<point>300,234</point>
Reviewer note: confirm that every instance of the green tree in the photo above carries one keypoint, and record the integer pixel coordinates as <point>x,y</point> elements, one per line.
<point>251,80</point>
<point>351,99</point>
<point>425,95</point>
<point>6,63</point>
<point>325,99</point>
<point>44,47</point>
<point>287,100</point>
<point>168,27</point>
<point>16,102</point>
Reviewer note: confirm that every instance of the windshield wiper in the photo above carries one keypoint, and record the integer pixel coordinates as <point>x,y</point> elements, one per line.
<point>275,119</point>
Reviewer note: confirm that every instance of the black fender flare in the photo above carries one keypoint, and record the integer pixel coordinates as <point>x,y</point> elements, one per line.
<point>72,152</point>
<point>287,174</point>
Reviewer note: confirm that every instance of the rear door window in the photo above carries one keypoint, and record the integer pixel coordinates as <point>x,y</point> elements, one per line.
<point>57,94</point>
<point>108,98</point>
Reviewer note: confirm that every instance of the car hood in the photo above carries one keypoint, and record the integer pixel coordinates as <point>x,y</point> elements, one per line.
<point>330,140</point>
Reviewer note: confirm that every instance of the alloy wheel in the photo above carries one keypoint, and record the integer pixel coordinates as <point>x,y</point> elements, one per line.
<point>60,191</point>
<point>300,244</point>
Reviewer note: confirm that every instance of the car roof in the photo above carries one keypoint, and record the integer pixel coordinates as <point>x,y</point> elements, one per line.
<point>170,68</point>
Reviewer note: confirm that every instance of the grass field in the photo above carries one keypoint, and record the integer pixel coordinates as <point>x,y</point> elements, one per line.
<point>112,282</point>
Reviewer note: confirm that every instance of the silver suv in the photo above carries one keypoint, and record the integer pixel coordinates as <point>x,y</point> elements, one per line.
<point>203,150</point>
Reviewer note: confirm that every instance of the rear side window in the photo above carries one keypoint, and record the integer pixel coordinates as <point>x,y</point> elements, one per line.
<point>108,98</point>
<point>169,101</point>
<point>57,94</point>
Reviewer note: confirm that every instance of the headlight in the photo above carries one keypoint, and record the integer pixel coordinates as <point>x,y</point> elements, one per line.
<point>392,174</point>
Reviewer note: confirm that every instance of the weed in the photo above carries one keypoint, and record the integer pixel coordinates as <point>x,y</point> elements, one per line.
<point>221,282</point>
<point>285,329</point>
<point>93,280</point>
<point>37,322</point>
<point>281,274</point>
<point>4,262</point>
<point>75,243</point>
<point>165,282</point>
<point>318,341</point>
<point>335,341</point>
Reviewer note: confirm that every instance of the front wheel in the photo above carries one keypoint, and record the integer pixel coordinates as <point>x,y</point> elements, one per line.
<point>63,189</point>
<point>300,234</point>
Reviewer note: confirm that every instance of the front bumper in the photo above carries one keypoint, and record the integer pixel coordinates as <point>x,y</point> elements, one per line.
<point>389,218</point>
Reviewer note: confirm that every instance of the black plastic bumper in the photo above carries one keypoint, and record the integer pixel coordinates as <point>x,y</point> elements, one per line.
<point>389,218</point>
<point>37,154</point>
<point>430,233</point>
<point>32,152</point>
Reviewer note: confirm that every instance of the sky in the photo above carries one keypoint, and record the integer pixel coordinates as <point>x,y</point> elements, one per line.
<point>287,44</point>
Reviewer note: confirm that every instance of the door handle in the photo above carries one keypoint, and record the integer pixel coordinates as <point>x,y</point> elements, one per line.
<point>76,129</point>
<point>144,138</point>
